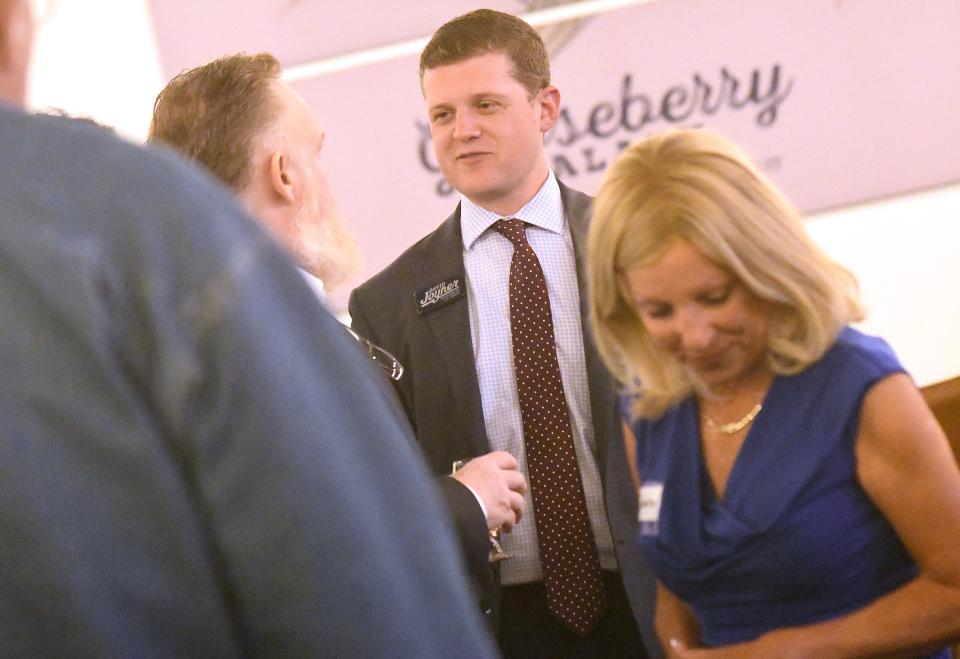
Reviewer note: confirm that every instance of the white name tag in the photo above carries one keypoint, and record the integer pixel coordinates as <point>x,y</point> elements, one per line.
<point>651,495</point>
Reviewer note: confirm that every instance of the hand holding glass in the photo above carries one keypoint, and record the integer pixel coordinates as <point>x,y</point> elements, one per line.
<point>496,549</point>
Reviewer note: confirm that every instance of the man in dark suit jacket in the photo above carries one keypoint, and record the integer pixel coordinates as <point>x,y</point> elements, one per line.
<point>485,78</point>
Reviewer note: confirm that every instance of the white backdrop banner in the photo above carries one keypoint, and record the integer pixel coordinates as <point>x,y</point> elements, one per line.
<point>839,101</point>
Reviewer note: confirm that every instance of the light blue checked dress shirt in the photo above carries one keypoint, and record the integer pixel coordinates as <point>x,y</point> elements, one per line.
<point>486,258</point>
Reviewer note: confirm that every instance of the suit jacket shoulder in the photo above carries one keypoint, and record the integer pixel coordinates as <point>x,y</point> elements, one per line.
<point>432,342</point>
<point>576,205</point>
<point>434,252</point>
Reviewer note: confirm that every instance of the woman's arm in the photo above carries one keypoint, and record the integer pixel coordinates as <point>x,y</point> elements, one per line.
<point>672,618</point>
<point>674,621</point>
<point>905,464</point>
<point>630,448</point>
<point>907,468</point>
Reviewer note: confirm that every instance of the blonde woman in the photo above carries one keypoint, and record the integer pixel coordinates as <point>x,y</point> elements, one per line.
<point>797,497</point>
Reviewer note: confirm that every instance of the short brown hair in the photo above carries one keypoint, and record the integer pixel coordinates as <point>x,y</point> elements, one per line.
<point>213,113</point>
<point>486,31</point>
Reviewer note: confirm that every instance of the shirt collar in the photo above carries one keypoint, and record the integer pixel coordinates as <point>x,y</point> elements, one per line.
<point>315,283</point>
<point>545,210</point>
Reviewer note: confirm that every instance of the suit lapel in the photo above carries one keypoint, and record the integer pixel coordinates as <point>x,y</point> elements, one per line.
<point>576,206</point>
<point>450,326</point>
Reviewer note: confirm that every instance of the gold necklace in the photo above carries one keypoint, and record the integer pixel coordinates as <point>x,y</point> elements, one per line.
<point>733,426</point>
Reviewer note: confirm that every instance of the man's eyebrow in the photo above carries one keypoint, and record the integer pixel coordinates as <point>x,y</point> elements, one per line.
<point>494,95</point>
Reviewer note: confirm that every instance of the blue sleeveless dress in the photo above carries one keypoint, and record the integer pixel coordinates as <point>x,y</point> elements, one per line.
<point>795,539</point>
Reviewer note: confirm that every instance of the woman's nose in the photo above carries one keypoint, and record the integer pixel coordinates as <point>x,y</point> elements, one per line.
<point>696,331</point>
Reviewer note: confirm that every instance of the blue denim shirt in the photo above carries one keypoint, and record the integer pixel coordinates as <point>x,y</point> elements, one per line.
<point>194,460</point>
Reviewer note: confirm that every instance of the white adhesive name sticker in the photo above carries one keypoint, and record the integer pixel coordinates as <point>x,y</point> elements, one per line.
<point>651,494</point>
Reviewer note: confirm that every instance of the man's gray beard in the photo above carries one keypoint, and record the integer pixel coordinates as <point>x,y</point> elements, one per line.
<point>328,250</point>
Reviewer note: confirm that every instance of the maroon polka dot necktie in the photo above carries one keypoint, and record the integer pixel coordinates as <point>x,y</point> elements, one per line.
<point>568,551</point>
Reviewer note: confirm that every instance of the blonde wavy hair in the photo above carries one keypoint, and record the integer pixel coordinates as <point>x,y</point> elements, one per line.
<point>699,187</point>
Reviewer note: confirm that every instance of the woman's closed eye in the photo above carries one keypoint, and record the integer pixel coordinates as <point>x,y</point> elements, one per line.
<point>718,296</point>
<point>657,311</point>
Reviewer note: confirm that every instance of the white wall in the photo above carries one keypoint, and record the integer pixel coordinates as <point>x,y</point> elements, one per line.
<point>906,253</point>
<point>98,58</point>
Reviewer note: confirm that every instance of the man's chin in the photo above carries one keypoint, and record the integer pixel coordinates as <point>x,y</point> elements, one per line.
<point>332,254</point>
<point>335,275</point>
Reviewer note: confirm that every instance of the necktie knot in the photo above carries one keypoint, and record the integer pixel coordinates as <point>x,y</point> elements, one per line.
<point>513,230</point>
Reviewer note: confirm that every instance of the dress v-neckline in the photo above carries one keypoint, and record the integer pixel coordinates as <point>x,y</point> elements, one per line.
<point>709,491</point>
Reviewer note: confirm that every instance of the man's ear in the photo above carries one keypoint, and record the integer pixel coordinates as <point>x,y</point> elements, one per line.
<point>283,179</point>
<point>549,107</point>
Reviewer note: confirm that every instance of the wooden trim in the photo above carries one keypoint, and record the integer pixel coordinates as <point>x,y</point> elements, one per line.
<point>944,401</point>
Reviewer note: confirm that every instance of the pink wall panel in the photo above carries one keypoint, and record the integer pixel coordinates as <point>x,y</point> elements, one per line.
<point>840,101</point>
